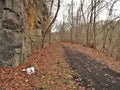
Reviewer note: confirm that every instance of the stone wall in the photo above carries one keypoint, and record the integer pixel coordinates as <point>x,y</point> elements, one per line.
<point>20,29</point>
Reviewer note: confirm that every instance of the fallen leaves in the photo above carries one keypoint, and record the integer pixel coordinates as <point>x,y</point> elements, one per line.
<point>51,72</point>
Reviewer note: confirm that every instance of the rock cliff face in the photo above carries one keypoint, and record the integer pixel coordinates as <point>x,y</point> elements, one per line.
<point>21,24</point>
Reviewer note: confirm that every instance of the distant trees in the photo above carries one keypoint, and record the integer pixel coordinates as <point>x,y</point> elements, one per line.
<point>86,27</point>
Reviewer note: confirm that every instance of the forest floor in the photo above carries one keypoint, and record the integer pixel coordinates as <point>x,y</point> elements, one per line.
<point>64,66</point>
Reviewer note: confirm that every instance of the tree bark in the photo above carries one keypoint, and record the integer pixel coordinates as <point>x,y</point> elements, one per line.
<point>48,28</point>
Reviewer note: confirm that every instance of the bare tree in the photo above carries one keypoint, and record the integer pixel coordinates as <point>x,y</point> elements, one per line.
<point>86,26</point>
<point>50,24</point>
<point>71,19</point>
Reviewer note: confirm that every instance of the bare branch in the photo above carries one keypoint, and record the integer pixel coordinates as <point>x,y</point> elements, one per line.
<point>58,7</point>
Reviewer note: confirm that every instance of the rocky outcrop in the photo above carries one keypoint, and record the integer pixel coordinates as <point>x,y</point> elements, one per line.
<point>21,23</point>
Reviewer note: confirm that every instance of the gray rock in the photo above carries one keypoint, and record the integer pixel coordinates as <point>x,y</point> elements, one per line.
<point>19,29</point>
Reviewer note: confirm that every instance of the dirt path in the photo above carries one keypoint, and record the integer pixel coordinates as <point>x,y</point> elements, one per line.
<point>89,73</point>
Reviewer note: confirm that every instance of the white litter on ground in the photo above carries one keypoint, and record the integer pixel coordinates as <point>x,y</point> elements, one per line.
<point>29,70</point>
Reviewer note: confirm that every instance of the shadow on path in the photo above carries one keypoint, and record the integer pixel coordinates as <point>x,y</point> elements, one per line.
<point>91,74</point>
